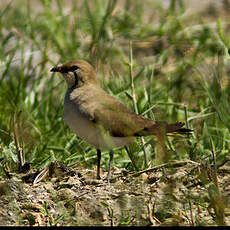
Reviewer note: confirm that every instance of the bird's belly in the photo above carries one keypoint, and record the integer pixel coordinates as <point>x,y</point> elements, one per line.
<point>87,130</point>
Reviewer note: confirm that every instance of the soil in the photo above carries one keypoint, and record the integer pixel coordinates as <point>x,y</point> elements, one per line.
<point>183,193</point>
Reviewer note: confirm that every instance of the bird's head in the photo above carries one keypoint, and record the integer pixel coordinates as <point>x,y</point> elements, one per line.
<point>76,73</point>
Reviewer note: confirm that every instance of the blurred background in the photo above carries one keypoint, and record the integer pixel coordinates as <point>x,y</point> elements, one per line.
<point>176,52</point>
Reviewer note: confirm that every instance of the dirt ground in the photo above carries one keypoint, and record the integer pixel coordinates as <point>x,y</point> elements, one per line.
<point>174,193</point>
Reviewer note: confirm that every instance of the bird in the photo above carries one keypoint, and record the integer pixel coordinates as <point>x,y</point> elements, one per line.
<point>99,118</point>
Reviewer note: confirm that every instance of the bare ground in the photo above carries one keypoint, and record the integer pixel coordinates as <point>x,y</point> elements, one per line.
<point>175,193</point>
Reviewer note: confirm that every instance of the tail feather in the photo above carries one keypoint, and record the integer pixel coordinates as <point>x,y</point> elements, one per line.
<point>176,128</point>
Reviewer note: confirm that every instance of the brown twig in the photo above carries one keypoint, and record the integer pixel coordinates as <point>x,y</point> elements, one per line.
<point>165,165</point>
<point>152,218</point>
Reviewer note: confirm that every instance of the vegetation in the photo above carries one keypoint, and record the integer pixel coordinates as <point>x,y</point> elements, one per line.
<point>160,60</point>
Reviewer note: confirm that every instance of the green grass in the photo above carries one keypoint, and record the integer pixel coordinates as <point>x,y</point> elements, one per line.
<point>177,78</point>
<point>176,67</point>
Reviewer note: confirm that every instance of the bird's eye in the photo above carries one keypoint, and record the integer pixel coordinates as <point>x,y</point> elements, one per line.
<point>73,68</point>
<point>64,69</point>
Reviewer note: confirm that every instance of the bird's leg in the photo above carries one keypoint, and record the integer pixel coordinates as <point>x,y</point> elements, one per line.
<point>98,163</point>
<point>110,163</point>
<point>131,158</point>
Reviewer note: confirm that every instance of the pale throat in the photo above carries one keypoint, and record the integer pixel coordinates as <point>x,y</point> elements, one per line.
<point>71,80</point>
